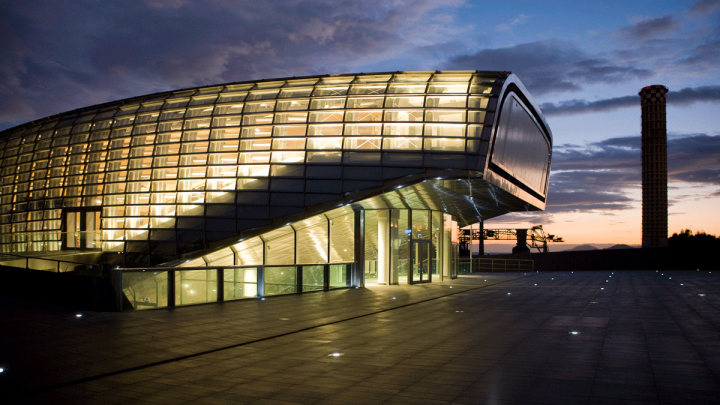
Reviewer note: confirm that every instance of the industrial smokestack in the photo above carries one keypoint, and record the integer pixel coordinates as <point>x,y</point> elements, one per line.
<point>654,167</point>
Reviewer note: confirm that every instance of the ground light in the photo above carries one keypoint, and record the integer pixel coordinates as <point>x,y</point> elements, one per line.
<point>78,315</point>
<point>335,354</point>
<point>574,333</point>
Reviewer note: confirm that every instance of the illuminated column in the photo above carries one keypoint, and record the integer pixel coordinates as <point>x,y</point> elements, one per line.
<point>383,246</point>
<point>654,167</point>
<point>446,245</point>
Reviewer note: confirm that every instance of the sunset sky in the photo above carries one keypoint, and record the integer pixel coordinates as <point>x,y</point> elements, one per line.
<point>582,62</point>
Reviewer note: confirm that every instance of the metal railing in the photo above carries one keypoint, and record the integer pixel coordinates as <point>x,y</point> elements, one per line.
<point>160,287</point>
<point>485,265</point>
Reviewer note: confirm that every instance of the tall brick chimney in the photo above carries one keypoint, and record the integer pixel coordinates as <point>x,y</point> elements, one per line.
<point>654,167</point>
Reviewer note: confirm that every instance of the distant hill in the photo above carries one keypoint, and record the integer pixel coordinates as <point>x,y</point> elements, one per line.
<point>620,246</point>
<point>582,247</point>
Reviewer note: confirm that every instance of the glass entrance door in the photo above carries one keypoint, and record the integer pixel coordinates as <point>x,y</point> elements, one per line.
<point>421,264</point>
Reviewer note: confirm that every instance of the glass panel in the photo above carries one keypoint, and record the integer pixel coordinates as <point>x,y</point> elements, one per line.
<point>312,243</point>
<point>280,280</point>
<point>445,115</point>
<point>326,103</point>
<point>291,105</point>
<point>404,102</point>
<point>420,224</point>
<point>146,290</point>
<point>362,143</point>
<point>437,245</point>
<point>363,129</point>
<point>365,102</point>
<point>457,130</point>
<point>280,246</point>
<point>240,283</point>
<point>478,102</point>
<point>339,275</point>
<point>325,143</point>
<point>400,244</point>
<point>402,143</point>
<point>313,278</point>
<point>406,88</point>
<point>446,101</point>
<point>195,286</point>
<point>371,247</point>
<point>445,144</point>
<point>324,157</point>
<point>421,261</point>
<point>342,238</point>
<point>250,252</point>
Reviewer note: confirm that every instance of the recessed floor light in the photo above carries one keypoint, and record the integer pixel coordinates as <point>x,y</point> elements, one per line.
<point>450,286</point>
<point>2,370</point>
<point>335,354</point>
<point>508,293</point>
<point>602,288</point>
<point>702,295</point>
<point>574,333</point>
<point>393,297</point>
<point>459,311</point>
<point>78,315</point>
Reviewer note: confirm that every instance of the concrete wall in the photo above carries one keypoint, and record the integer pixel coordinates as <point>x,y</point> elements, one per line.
<point>620,259</point>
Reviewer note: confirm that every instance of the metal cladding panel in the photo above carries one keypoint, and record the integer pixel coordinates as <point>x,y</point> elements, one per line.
<point>521,148</point>
<point>174,172</point>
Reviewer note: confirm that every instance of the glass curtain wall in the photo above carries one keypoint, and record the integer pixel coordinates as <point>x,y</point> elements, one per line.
<point>393,237</point>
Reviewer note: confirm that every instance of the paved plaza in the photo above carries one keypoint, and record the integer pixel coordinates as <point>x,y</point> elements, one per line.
<point>628,337</point>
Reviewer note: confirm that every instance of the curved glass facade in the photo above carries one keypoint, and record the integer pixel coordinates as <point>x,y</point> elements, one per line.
<point>275,173</point>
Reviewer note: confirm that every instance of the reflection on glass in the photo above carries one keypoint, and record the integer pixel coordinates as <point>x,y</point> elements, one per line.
<point>195,286</point>
<point>339,275</point>
<point>313,278</point>
<point>240,283</point>
<point>146,290</point>
<point>280,280</point>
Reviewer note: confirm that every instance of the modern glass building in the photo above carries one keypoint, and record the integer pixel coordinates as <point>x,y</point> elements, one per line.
<point>274,186</point>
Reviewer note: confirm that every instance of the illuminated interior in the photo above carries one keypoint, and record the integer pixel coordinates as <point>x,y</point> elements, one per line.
<point>275,173</point>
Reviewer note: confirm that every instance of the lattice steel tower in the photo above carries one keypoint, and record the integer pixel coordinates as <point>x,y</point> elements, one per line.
<point>654,167</point>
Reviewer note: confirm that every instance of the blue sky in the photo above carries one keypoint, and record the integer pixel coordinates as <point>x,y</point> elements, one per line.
<point>583,62</point>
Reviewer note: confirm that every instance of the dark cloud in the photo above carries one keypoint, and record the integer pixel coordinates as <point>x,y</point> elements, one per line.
<point>650,28</point>
<point>705,7</point>
<point>597,176</point>
<point>549,66</point>
<point>57,56</point>
<point>686,96</point>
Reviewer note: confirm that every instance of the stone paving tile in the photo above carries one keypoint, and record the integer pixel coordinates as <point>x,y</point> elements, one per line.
<point>642,338</point>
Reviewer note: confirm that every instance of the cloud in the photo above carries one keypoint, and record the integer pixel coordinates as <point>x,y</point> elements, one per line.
<point>549,66</point>
<point>507,27</point>
<point>651,28</point>
<point>705,7</point>
<point>682,97</point>
<point>599,176</point>
<point>57,56</point>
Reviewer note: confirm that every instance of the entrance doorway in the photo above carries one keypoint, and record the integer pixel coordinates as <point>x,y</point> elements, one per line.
<point>81,229</point>
<point>421,263</point>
